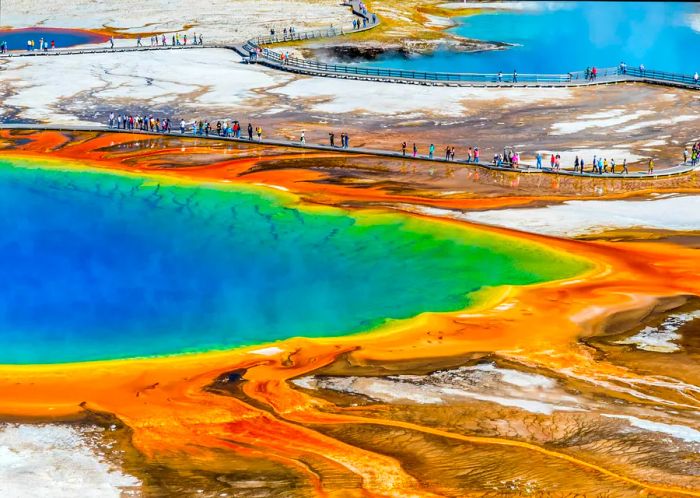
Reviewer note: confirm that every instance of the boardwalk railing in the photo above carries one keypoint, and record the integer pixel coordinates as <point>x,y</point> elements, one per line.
<point>603,75</point>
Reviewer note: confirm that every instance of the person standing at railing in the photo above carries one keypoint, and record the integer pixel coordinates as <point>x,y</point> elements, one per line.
<point>623,68</point>
<point>695,77</point>
<point>500,76</point>
<point>641,69</point>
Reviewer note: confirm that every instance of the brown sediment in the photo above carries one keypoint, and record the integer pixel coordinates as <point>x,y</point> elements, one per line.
<point>234,412</point>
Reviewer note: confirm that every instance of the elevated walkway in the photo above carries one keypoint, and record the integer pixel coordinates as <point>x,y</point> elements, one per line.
<point>661,172</point>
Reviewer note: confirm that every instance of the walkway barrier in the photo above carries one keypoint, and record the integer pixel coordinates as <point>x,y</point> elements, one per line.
<point>674,170</point>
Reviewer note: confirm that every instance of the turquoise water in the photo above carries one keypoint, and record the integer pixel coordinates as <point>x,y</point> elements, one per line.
<point>558,37</point>
<point>100,266</point>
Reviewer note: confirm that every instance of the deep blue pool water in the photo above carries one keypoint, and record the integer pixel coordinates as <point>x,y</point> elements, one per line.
<point>558,37</point>
<point>17,38</point>
<point>100,266</point>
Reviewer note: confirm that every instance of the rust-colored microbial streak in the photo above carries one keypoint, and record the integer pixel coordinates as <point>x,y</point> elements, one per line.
<point>179,420</point>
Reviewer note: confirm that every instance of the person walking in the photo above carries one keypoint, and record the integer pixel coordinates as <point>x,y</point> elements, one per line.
<point>431,151</point>
<point>476,155</point>
<point>695,77</point>
<point>302,139</point>
<point>250,132</point>
<point>403,148</point>
<point>331,139</point>
<point>624,167</point>
<point>447,153</point>
<point>259,130</point>
<point>650,169</point>
<point>500,77</point>
<point>515,76</point>
<point>538,158</point>
<point>111,42</point>
<point>138,42</point>
<point>415,150</point>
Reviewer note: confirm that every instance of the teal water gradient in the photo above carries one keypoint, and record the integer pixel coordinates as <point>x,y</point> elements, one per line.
<point>558,37</point>
<point>101,266</point>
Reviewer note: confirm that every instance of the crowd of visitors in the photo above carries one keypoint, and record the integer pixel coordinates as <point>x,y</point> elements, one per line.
<point>509,158</point>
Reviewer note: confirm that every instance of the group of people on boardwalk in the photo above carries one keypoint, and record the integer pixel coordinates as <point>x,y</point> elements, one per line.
<point>175,40</point>
<point>143,123</point>
<point>286,32</point>
<point>344,140</point>
<point>509,158</point>
<point>32,45</point>
<point>693,155</point>
<point>599,165</point>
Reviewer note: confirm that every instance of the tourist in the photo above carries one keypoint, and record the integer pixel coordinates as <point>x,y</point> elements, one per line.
<point>641,69</point>
<point>624,167</point>
<point>600,165</point>
<point>623,68</point>
<point>538,159</point>
<point>605,165</point>
<point>259,131</point>
<point>594,73</point>
<point>695,77</point>
<point>476,154</point>
<point>138,42</point>
<point>650,169</point>
<point>250,132</point>
<point>552,160</point>
<point>447,153</point>
<point>347,141</point>
<point>182,126</point>
<point>469,155</point>
<point>184,38</point>
<point>452,153</point>
<point>111,120</point>
<point>580,165</point>
<point>111,42</point>
<point>500,77</point>
<point>415,150</point>
<point>331,139</point>
<point>431,151</point>
<point>403,148</point>
<point>515,76</point>
<point>302,138</point>
<point>576,163</point>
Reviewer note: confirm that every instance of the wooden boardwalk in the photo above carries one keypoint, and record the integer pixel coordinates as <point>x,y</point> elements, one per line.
<point>257,47</point>
<point>661,172</point>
